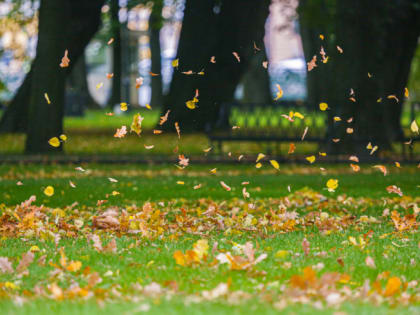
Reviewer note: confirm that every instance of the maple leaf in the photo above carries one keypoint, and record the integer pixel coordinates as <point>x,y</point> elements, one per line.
<point>164,118</point>
<point>120,133</point>
<point>183,161</point>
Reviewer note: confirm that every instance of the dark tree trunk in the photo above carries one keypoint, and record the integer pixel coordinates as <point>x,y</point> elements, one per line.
<point>116,55</point>
<point>82,24</point>
<point>206,34</point>
<point>77,82</point>
<point>46,119</point>
<point>378,38</point>
<point>256,80</point>
<point>155,26</point>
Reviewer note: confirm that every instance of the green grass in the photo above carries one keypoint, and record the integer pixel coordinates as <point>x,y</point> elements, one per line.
<point>141,260</point>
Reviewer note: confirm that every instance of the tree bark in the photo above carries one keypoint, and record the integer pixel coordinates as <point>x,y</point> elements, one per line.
<point>116,55</point>
<point>205,34</point>
<point>155,26</point>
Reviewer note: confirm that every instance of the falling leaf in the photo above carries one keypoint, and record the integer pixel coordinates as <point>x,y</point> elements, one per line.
<point>382,168</point>
<point>275,164</point>
<point>355,167</point>
<point>139,82</point>
<point>112,180</point>
<point>197,186</point>
<point>175,63</point>
<point>340,50</point>
<point>245,193</point>
<point>164,118</point>
<point>178,130</point>
<point>109,75</point>
<point>321,36</point>
<point>397,164</point>
<point>393,97</point>
<point>406,93</point>
<point>149,147</point>
<point>213,170</point>
<point>394,189</point>
<point>183,161</point>
<point>265,64</point>
<point>157,132</point>
<point>349,130</point>
<point>213,59</point>
<point>304,133</point>
<point>354,158</point>
<point>65,60</point>
<point>279,93</point>
<point>47,98</point>
<point>336,118</point>
<point>136,124</point>
<point>120,133</point>
<point>323,106</point>
<point>148,106</point>
<point>123,107</point>
<point>180,182</point>
<point>111,40</point>
<point>414,127</point>
<point>311,159</point>
<point>99,85</point>
<point>49,191</point>
<point>332,184</point>
<point>191,104</point>
<point>72,185</point>
<point>226,187</point>
<point>292,148</point>
<point>236,56</point>
<point>207,150</point>
<point>54,142</point>
<point>258,165</point>
<point>260,157</point>
<point>63,137</point>
<point>312,64</point>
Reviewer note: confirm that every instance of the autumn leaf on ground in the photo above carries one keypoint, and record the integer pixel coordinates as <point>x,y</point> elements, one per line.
<point>306,246</point>
<point>5,265</point>
<point>65,61</point>
<point>370,262</point>
<point>392,286</point>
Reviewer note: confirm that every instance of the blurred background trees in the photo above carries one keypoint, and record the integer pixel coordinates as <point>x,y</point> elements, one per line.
<point>227,53</point>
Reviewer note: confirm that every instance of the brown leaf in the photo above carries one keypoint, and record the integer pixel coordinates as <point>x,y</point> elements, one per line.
<point>27,259</point>
<point>5,265</point>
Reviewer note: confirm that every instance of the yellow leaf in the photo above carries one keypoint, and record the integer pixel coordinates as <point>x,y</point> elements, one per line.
<point>414,127</point>
<point>393,286</point>
<point>279,93</point>
<point>123,106</point>
<point>47,98</point>
<point>63,137</point>
<point>175,63</point>
<point>406,93</point>
<point>180,182</point>
<point>201,248</point>
<point>321,36</point>
<point>99,85</point>
<point>258,165</point>
<point>336,118</point>
<point>298,115</point>
<point>275,164</point>
<point>332,184</point>
<point>74,266</point>
<point>179,258</point>
<point>115,193</point>
<point>259,157</point>
<point>49,191</point>
<point>136,124</point>
<point>311,159</point>
<point>34,249</point>
<point>191,103</point>
<point>148,106</point>
<point>54,142</point>
<point>323,106</point>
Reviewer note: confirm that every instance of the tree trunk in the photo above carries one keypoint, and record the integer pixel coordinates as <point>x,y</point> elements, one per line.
<point>83,23</point>
<point>116,55</point>
<point>155,26</point>
<point>77,82</point>
<point>205,34</point>
<point>46,119</point>
<point>256,81</point>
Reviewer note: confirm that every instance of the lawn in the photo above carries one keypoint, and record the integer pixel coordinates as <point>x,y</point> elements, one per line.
<point>135,238</point>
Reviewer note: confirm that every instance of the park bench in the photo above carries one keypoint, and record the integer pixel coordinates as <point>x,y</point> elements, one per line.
<point>264,124</point>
